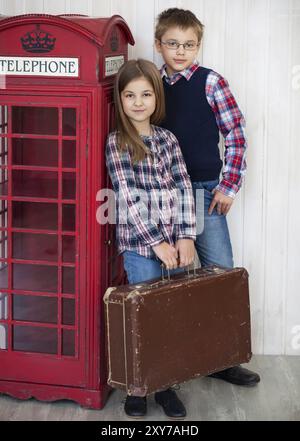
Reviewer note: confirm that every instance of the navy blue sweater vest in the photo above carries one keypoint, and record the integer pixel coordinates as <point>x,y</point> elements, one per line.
<point>192,120</point>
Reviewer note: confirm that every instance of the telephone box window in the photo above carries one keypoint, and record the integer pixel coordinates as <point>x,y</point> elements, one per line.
<point>3,213</point>
<point>69,246</point>
<point>35,277</point>
<point>31,246</point>
<point>3,151</point>
<point>3,244</point>
<point>68,217</point>
<point>34,184</point>
<point>36,215</point>
<point>36,152</point>
<point>69,122</point>
<point>68,311</point>
<point>35,120</point>
<point>69,154</point>
<point>68,280</point>
<point>69,186</point>
<point>35,339</point>
<point>35,308</point>
<point>3,275</point>
<point>3,182</point>
<point>3,306</point>
<point>3,336</point>
<point>3,119</point>
<point>68,341</point>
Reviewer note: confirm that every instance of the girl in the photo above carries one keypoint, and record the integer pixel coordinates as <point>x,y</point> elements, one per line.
<point>148,173</point>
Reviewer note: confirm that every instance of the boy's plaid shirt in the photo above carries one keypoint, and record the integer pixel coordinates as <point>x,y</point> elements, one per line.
<point>166,174</point>
<point>231,124</point>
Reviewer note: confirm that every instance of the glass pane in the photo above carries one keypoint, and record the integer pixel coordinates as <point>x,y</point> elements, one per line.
<point>3,182</point>
<point>35,277</point>
<point>68,217</point>
<point>35,120</point>
<point>69,186</point>
<point>68,249</point>
<point>3,151</point>
<point>68,280</point>
<point>36,152</point>
<point>37,215</point>
<point>33,339</point>
<point>68,342</point>
<point>69,122</point>
<point>34,183</point>
<point>3,305</point>
<point>3,213</point>
<point>68,307</point>
<point>35,308</point>
<point>3,275</point>
<point>69,154</point>
<point>3,119</point>
<point>3,244</point>
<point>3,336</point>
<point>35,246</point>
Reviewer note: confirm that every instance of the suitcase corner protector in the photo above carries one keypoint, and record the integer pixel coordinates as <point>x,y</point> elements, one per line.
<point>137,391</point>
<point>108,293</point>
<point>135,297</point>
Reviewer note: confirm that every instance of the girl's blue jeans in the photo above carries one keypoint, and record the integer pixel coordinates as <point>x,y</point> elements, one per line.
<point>213,245</point>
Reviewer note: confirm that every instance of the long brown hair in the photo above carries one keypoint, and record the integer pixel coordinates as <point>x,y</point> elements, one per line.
<point>127,134</point>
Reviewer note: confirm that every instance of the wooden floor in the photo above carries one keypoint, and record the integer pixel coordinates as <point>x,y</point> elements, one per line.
<point>277,397</point>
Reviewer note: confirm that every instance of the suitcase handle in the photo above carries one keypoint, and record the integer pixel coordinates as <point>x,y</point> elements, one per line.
<point>188,271</point>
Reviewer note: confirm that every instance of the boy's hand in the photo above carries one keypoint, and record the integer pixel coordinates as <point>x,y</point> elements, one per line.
<point>186,251</point>
<point>167,254</point>
<point>222,202</point>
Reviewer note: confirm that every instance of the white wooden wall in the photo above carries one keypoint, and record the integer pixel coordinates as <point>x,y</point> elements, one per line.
<point>255,44</point>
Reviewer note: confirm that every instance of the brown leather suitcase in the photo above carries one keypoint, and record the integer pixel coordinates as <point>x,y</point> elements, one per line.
<point>164,332</point>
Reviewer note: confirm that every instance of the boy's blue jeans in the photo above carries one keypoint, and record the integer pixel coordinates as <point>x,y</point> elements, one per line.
<point>213,244</point>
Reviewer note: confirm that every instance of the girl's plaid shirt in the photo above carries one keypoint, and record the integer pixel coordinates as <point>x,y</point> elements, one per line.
<point>156,192</point>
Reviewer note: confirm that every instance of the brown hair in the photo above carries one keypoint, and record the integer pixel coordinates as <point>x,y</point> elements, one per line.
<point>175,17</point>
<point>127,134</point>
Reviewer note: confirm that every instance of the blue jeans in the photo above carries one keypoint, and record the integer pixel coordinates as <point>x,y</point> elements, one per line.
<point>139,268</point>
<point>213,244</point>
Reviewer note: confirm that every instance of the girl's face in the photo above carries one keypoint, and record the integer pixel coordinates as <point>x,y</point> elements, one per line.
<point>138,101</point>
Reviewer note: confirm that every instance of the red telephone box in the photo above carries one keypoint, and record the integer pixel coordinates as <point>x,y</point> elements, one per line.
<point>56,261</point>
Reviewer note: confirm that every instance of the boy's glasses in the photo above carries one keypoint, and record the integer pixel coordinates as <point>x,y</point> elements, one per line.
<point>173,44</point>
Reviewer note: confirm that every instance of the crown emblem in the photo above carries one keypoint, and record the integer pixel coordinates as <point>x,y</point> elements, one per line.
<point>38,41</point>
<point>114,41</point>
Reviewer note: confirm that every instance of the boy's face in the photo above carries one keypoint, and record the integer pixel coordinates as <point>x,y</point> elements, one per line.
<point>178,59</point>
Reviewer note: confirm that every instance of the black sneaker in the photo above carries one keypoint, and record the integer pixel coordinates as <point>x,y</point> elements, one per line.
<point>135,407</point>
<point>170,403</point>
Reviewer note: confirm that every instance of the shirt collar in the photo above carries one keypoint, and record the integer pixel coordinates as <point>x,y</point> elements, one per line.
<point>186,73</point>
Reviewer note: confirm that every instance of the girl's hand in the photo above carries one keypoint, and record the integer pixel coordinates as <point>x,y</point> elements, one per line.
<point>186,251</point>
<point>167,254</point>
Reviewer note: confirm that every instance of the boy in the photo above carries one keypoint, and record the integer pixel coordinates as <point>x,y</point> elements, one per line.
<point>199,104</point>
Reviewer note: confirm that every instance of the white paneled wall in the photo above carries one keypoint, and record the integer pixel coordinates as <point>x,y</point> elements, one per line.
<point>255,44</point>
